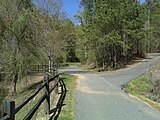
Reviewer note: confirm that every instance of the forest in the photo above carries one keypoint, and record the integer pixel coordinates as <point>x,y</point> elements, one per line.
<point>110,34</point>
<point>113,32</point>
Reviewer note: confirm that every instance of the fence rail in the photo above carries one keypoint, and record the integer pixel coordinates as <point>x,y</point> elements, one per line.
<point>8,107</point>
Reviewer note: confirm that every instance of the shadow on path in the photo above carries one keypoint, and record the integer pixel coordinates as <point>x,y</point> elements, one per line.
<point>76,72</point>
<point>56,111</point>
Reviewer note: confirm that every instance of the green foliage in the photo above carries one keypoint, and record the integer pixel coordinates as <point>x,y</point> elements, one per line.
<point>14,36</point>
<point>69,37</point>
<point>114,31</point>
<point>32,34</point>
<point>152,28</point>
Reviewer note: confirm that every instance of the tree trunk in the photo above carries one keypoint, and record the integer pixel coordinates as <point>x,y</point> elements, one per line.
<point>49,65</point>
<point>85,52</point>
<point>14,83</point>
<point>104,57</point>
<point>96,55</point>
<point>114,57</point>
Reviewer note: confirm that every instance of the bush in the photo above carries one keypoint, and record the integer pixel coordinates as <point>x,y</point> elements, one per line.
<point>154,89</point>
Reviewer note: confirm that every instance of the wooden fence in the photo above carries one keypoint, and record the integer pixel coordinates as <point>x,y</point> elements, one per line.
<point>8,107</point>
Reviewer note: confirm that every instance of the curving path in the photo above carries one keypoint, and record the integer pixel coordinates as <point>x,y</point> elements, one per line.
<point>100,96</point>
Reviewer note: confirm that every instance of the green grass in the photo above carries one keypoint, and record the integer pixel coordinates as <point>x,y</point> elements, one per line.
<point>68,110</point>
<point>20,97</point>
<point>139,88</point>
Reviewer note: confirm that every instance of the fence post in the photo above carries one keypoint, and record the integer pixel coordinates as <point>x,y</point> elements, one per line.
<point>8,108</point>
<point>56,81</point>
<point>47,100</point>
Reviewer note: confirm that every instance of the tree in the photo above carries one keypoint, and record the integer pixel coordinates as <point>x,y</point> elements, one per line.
<point>50,36</point>
<point>17,47</point>
<point>69,38</point>
<point>152,25</point>
<point>113,31</point>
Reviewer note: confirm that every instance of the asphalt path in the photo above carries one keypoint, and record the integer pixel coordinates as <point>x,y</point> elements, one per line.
<point>100,96</point>
<point>121,77</point>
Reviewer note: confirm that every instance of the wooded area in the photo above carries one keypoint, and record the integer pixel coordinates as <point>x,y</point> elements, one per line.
<point>31,35</point>
<point>113,32</point>
<point>110,34</point>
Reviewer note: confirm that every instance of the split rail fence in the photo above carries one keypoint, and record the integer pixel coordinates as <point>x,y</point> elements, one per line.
<point>8,106</point>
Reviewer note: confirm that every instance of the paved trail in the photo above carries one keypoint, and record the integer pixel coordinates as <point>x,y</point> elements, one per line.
<point>100,96</point>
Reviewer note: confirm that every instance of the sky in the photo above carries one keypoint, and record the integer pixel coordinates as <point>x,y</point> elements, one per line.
<point>142,1</point>
<point>71,7</point>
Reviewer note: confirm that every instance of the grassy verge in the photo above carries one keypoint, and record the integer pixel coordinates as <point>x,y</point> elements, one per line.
<point>139,88</point>
<point>68,110</point>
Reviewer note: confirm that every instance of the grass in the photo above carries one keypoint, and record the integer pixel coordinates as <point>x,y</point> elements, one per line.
<point>139,88</point>
<point>24,89</point>
<point>68,110</point>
